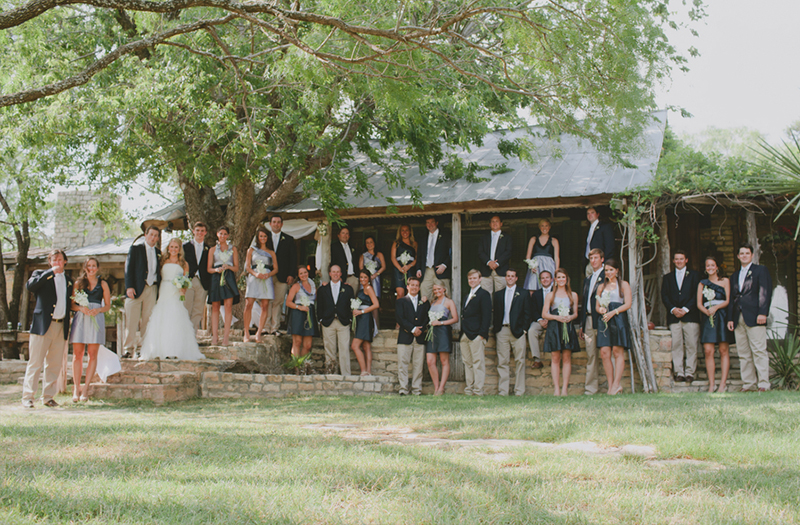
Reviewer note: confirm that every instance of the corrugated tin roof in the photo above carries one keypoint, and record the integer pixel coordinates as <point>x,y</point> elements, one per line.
<point>566,168</point>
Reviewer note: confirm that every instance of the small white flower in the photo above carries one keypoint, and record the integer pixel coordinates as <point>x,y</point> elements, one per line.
<point>604,299</point>
<point>533,264</point>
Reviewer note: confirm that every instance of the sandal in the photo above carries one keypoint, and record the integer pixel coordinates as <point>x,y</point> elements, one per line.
<point>84,399</point>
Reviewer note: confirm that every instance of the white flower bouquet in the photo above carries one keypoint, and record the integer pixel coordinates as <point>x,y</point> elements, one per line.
<point>81,298</point>
<point>709,295</point>
<point>182,282</point>
<point>304,300</point>
<point>432,316</point>
<point>355,304</point>
<point>262,268</point>
<point>563,310</point>
<point>225,257</point>
<point>604,299</point>
<point>371,267</point>
<point>533,264</point>
<point>404,259</point>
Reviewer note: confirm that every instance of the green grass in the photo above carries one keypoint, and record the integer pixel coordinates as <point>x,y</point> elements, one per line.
<point>251,461</point>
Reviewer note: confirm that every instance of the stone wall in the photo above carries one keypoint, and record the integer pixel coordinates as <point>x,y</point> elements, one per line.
<point>226,385</point>
<point>74,228</point>
<point>11,370</point>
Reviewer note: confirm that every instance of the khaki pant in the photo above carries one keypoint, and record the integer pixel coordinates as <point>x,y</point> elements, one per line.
<point>505,341</point>
<point>137,315</point>
<point>534,334</point>
<point>751,345</point>
<point>493,283</point>
<point>195,302</point>
<point>592,384</point>
<point>46,352</point>
<point>472,353</point>
<point>426,287</point>
<point>413,354</point>
<point>685,338</point>
<point>276,305</point>
<point>352,280</point>
<point>337,337</point>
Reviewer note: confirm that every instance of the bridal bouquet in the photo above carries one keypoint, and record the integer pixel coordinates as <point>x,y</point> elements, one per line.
<point>709,295</point>
<point>432,316</point>
<point>355,304</point>
<point>81,298</point>
<point>563,310</point>
<point>262,268</point>
<point>304,300</point>
<point>533,264</point>
<point>604,299</point>
<point>371,267</point>
<point>404,259</point>
<point>182,282</point>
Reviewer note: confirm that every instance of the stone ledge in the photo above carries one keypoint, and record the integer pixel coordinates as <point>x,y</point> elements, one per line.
<point>226,385</point>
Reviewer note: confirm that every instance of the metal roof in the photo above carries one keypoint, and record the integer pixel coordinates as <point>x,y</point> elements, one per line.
<point>561,169</point>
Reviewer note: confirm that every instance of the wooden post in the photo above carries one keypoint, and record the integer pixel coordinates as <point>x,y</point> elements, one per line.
<point>752,235</point>
<point>455,278</point>
<point>25,304</point>
<point>664,257</point>
<point>637,315</point>
<point>325,252</point>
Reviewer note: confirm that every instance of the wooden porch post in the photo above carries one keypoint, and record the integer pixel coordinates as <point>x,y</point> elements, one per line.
<point>455,279</point>
<point>325,252</point>
<point>664,257</point>
<point>752,235</point>
<point>640,335</point>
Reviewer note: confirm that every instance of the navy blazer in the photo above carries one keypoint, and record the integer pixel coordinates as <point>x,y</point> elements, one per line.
<point>536,304</point>
<point>685,297</point>
<point>753,299</point>
<point>339,258</point>
<point>593,302</point>
<point>407,318</point>
<point>327,311</point>
<point>476,317</point>
<point>197,267</point>
<point>502,254</point>
<point>136,269</point>
<point>42,284</point>
<point>286,254</point>
<point>603,238</point>
<point>519,316</point>
<point>442,254</point>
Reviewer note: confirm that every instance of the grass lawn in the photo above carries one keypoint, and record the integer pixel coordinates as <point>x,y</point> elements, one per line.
<point>246,461</point>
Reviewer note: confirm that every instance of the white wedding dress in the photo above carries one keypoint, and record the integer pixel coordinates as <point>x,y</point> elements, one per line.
<point>170,332</point>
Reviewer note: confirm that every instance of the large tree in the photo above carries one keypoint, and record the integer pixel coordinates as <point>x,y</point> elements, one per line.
<point>264,96</point>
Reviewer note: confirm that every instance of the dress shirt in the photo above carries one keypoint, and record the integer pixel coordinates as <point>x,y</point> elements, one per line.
<point>545,291</point>
<point>276,237</point>
<point>507,306</point>
<point>349,257</point>
<point>589,237</point>
<point>679,276</point>
<point>743,276</point>
<point>152,263</point>
<point>198,250</point>
<point>592,283</point>
<point>414,299</point>
<point>495,239</point>
<point>335,290</point>
<point>472,293</point>
<point>431,247</point>
<point>61,296</point>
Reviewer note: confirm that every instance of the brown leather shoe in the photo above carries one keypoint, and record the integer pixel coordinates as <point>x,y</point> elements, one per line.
<point>537,364</point>
<point>689,379</point>
<point>27,404</point>
<point>52,404</point>
<point>762,389</point>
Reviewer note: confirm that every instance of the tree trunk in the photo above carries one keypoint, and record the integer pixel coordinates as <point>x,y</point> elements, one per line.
<point>20,271</point>
<point>664,252</point>
<point>752,235</point>
<point>3,290</point>
<point>637,314</point>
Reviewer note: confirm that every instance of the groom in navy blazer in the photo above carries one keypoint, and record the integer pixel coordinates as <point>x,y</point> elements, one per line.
<point>142,278</point>
<point>195,299</point>
<point>49,329</point>
<point>335,316</point>
<point>751,296</point>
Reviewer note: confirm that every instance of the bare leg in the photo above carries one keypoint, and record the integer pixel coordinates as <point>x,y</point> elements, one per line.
<point>608,367</point>
<point>297,341</point>
<point>215,323</point>
<point>367,346</point>
<point>711,367</point>
<point>555,370</point>
<point>376,317</point>
<point>431,358</point>
<point>444,357</point>
<point>77,370</point>
<point>619,367</point>
<point>228,320</point>
<point>306,345</point>
<point>356,347</point>
<point>725,362</point>
<point>248,311</point>
<point>262,320</point>
<point>566,370</point>
<point>91,368</point>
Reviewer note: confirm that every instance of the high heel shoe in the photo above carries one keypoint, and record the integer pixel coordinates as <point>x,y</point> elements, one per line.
<point>84,399</point>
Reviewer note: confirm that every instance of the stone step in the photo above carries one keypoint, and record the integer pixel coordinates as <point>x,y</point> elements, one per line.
<point>227,385</point>
<point>153,378</point>
<point>157,393</point>
<point>734,385</point>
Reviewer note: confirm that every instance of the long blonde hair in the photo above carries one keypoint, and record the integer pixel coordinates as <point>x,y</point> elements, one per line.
<point>399,238</point>
<point>181,257</point>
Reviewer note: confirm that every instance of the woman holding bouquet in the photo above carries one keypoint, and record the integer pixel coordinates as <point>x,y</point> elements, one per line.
<point>560,340</point>
<point>364,324</point>
<point>223,265</point>
<point>372,260</point>
<point>442,314</point>
<point>260,265</point>
<point>88,326</point>
<point>170,332</point>
<point>404,257</point>
<point>713,296</point>
<point>613,330</point>
<point>302,317</point>
<point>543,254</point>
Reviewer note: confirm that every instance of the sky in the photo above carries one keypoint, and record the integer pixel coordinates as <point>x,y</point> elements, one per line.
<point>748,71</point>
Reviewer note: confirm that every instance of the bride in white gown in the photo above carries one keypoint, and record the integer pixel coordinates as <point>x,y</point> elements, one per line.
<point>170,333</point>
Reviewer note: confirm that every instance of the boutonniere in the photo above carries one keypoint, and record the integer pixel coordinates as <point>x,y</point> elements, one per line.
<point>501,236</point>
<point>749,273</point>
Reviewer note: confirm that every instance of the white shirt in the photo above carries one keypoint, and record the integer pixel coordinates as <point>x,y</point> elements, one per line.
<point>592,284</point>
<point>431,247</point>
<point>276,238</point>
<point>743,275</point>
<point>679,275</point>
<point>152,263</point>
<point>589,237</point>
<point>198,250</point>
<point>414,299</point>
<point>61,296</point>
<point>349,257</point>
<point>495,239</point>
<point>507,306</point>
<point>472,293</point>
<point>335,287</point>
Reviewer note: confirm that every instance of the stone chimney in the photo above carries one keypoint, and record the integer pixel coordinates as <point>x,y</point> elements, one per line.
<point>75,225</point>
